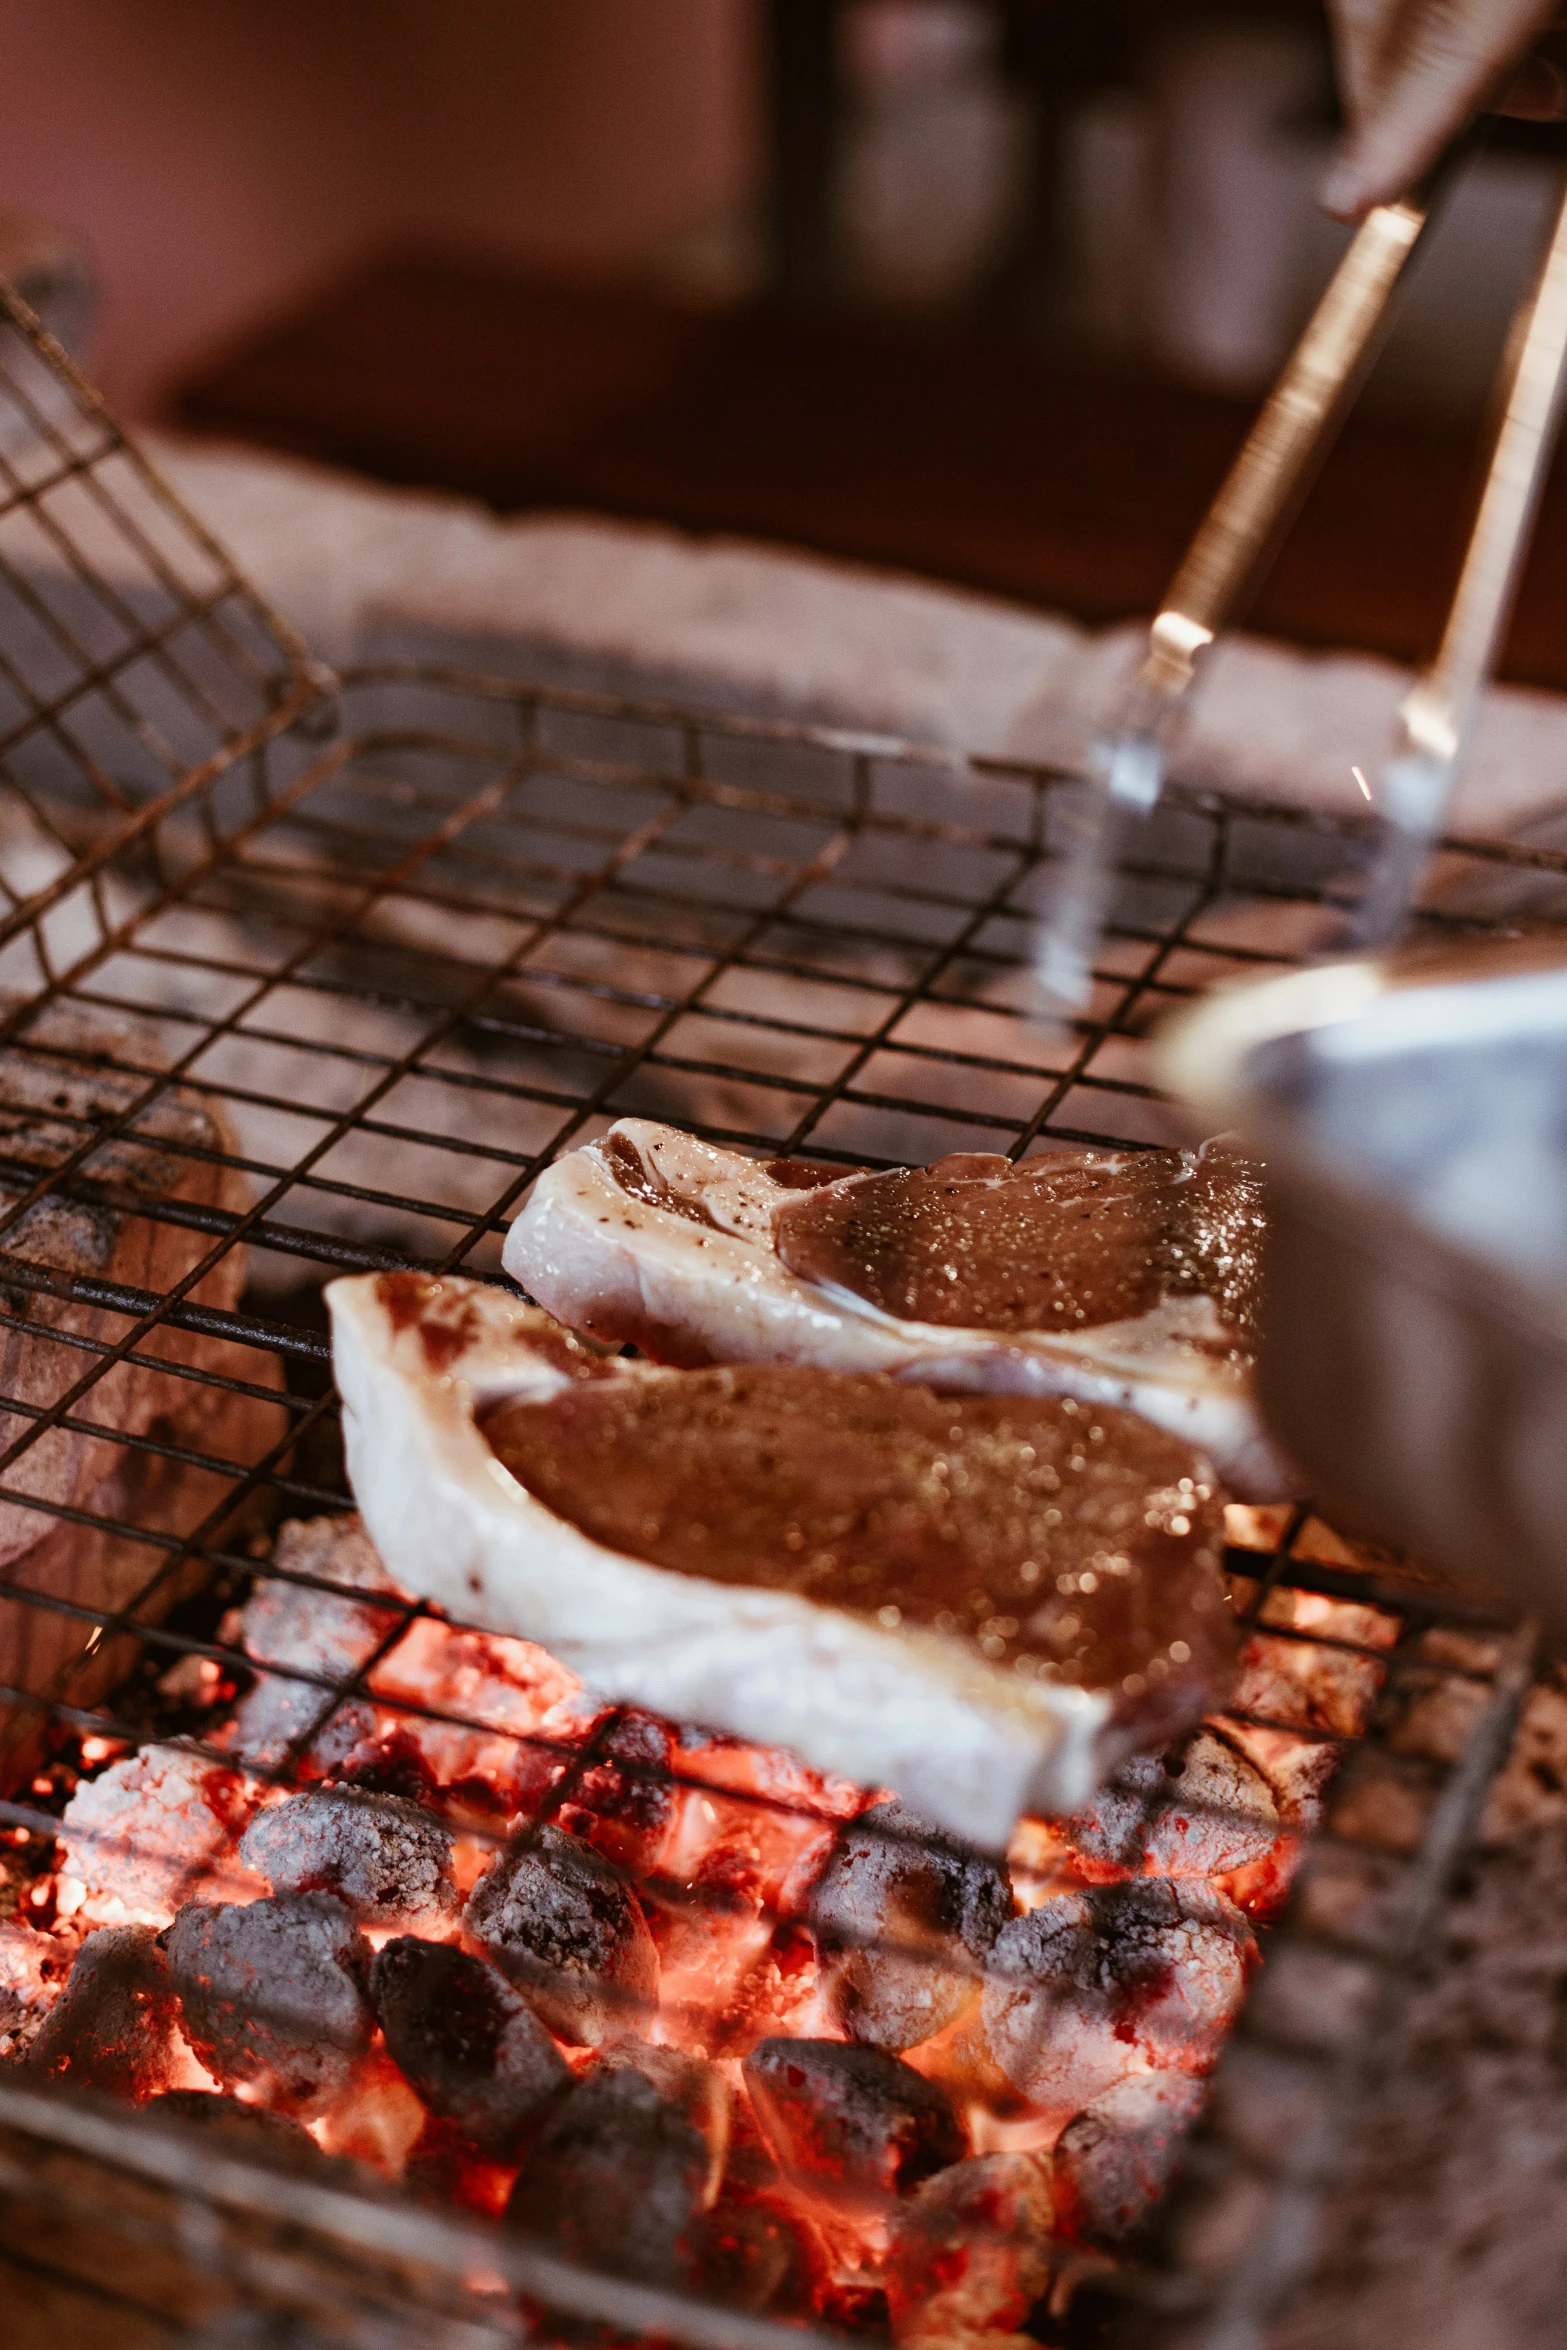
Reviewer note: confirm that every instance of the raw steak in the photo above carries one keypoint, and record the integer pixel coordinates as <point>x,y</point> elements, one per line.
<point>1119,1277</point>
<point>984,1602</point>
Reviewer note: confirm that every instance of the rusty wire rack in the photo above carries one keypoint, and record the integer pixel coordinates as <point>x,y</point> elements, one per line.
<point>310,976</point>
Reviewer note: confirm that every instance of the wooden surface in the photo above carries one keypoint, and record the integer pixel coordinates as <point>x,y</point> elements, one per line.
<point>981,461</point>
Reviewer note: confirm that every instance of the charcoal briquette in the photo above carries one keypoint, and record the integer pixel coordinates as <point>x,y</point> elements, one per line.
<point>469,2046</point>
<point>247,2131</point>
<point>907,1915</point>
<point>628,2165</point>
<point>390,1861</point>
<point>854,2125</point>
<point>1115,2160</point>
<point>569,1932</point>
<point>112,2027</point>
<point>274,1994</point>
<point>1199,1812</point>
<point>1092,1986</point>
<point>970,2251</point>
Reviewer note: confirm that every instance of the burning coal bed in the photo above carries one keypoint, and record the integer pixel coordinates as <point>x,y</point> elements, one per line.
<point>680,2007</point>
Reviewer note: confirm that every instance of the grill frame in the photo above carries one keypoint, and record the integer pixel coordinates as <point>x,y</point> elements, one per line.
<point>889,884</point>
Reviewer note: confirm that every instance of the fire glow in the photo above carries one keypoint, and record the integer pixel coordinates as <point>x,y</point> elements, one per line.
<point>679,2005</point>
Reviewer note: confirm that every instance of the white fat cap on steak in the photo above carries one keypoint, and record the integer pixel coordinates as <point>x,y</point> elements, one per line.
<point>971,1746</point>
<point>711,1287</point>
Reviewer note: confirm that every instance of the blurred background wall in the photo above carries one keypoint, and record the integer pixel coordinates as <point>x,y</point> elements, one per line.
<point>220,157</point>
<point>983,289</point>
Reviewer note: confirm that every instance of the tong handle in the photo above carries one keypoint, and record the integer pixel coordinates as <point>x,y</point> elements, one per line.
<point>1438,713</point>
<point>1278,448</point>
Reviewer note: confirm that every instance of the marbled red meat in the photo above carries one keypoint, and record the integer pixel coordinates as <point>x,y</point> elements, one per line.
<point>1085,1544</point>
<point>1060,1242</point>
<point>1119,1277</point>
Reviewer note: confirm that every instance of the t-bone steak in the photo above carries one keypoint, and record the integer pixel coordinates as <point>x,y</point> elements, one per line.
<point>1119,1277</point>
<point>984,1602</point>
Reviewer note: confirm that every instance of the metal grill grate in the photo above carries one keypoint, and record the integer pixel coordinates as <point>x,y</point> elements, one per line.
<point>314,981</point>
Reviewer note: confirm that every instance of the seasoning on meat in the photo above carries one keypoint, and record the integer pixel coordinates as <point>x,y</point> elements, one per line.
<point>1070,1544</point>
<point>1119,1277</point>
<point>1065,1240</point>
<point>986,1601</point>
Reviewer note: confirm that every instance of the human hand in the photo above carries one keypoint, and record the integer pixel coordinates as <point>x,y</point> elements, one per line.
<point>1411,72</point>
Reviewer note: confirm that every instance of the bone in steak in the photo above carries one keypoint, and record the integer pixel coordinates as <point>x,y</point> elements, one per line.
<point>385,1857</point>
<point>906,1917</point>
<point>1120,1277</point>
<point>983,1601</point>
<point>274,1994</point>
<point>569,1932</point>
<point>470,2047</point>
<point>855,2126</point>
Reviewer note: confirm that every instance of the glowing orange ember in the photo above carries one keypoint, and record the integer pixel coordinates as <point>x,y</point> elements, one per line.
<point>678,1974</point>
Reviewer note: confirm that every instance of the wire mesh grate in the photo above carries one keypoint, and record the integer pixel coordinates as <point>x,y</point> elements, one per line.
<point>306,979</point>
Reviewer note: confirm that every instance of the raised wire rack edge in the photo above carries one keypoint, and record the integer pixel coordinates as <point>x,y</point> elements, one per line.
<point>386,976</point>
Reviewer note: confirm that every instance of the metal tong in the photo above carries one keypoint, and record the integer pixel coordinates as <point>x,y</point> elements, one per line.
<point>1127,769</point>
<point>1437,716</point>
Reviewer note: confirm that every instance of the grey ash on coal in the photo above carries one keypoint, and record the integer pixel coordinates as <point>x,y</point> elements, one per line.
<point>696,2014</point>
<point>273,1994</point>
<point>908,1916</point>
<point>385,1858</point>
<point>567,1929</point>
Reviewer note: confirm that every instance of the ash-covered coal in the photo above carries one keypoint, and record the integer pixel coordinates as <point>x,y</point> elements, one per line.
<point>313,1640</point>
<point>1115,2160</point>
<point>153,1830</point>
<point>113,2027</point>
<point>853,2126</point>
<point>1202,1811</point>
<point>469,2046</point>
<point>623,1803</point>
<point>907,1916</point>
<point>629,2163</point>
<point>1091,1986</point>
<point>274,1994</point>
<point>971,2251</point>
<point>33,1968</point>
<point>750,1906</point>
<point>387,1859</point>
<point>568,1930</point>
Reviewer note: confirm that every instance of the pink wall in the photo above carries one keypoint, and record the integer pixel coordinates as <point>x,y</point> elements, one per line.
<point>221,155</point>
